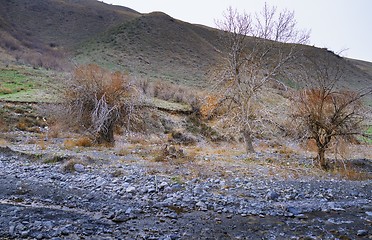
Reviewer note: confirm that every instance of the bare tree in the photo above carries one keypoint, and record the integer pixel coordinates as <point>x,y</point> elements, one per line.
<point>259,47</point>
<point>97,98</point>
<point>325,113</point>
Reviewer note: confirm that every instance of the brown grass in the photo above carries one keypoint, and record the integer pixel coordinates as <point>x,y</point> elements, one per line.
<point>3,126</point>
<point>173,155</point>
<point>79,142</point>
<point>123,151</point>
<point>347,171</point>
<point>3,142</point>
<point>22,125</point>
<point>4,90</point>
<point>43,145</point>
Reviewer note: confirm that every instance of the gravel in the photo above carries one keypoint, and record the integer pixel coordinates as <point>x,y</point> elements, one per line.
<point>41,201</point>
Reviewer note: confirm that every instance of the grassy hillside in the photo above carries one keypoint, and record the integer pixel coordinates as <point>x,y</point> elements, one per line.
<point>152,46</point>
<point>26,84</point>
<point>157,46</point>
<point>61,22</point>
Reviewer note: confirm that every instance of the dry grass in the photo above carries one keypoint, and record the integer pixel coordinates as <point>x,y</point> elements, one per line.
<point>3,142</point>
<point>4,90</point>
<point>122,151</point>
<point>55,130</point>
<point>42,144</point>
<point>3,126</point>
<point>79,142</point>
<point>22,125</point>
<point>352,174</point>
<point>346,170</point>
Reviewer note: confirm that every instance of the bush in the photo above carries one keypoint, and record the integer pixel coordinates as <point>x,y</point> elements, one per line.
<point>80,142</point>
<point>97,99</point>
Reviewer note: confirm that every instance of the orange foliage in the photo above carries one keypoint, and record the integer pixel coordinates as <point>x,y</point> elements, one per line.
<point>210,105</point>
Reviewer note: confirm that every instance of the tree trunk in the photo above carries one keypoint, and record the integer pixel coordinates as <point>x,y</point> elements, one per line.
<point>321,158</point>
<point>248,141</point>
<point>106,136</point>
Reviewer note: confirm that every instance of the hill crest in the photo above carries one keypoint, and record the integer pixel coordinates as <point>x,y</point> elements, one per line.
<point>154,45</point>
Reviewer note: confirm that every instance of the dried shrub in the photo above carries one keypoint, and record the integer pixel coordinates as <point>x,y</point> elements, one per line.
<point>328,116</point>
<point>348,170</point>
<point>209,106</point>
<point>172,154</point>
<point>182,137</point>
<point>42,144</point>
<point>97,98</point>
<point>23,124</point>
<point>122,151</point>
<point>197,126</point>
<point>80,142</point>
<point>84,142</point>
<point>68,144</point>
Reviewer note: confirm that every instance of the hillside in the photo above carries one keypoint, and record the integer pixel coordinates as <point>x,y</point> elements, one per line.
<point>158,46</point>
<point>57,23</point>
<point>152,46</point>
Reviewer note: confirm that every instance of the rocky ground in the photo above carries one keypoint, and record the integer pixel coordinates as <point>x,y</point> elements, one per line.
<point>124,200</point>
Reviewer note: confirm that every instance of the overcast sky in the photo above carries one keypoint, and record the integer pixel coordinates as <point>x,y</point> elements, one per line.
<point>335,24</point>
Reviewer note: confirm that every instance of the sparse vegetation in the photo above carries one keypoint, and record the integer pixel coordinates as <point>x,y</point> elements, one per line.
<point>258,50</point>
<point>180,107</point>
<point>97,99</point>
<point>79,142</point>
<point>324,113</point>
<point>141,138</point>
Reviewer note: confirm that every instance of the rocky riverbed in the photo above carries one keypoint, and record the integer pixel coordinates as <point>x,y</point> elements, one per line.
<point>41,200</point>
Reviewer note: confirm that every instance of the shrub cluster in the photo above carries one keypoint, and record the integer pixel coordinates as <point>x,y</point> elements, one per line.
<point>97,98</point>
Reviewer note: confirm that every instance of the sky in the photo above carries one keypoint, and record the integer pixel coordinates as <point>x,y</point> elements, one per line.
<point>343,26</point>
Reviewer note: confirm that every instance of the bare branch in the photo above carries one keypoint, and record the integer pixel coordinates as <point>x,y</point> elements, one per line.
<point>256,54</point>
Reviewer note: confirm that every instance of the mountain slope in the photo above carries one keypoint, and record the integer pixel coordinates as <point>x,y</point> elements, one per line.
<point>158,46</point>
<point>153,45</point>
<point>63,23</point>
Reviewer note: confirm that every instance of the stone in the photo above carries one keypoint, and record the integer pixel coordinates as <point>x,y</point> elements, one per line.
<point>163,185</point>
<point>11,230</point>
<point>128,211</point>
<point>130,189</point>
<point>79,167</point>
<point>362,233</point>
<point>100,182</point>
<point>293,210</point>
<point>272,195</point>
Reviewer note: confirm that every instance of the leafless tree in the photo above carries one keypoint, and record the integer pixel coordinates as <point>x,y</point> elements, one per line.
<point>96,98</point>
<point>324,112</point>
<point>259,48</point>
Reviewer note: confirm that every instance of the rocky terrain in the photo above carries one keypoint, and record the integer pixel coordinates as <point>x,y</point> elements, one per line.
<point>123,200</point>
<point>49,190</point>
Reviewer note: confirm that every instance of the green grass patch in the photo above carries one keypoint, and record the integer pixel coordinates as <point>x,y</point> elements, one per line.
<point>12,81</point>
<point>26,84</point>
<point>367,139</point>
<point>369,133</point>
<point>32,95</point>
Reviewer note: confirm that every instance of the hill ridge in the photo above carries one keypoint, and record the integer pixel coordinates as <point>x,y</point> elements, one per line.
<point>154,45</point>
